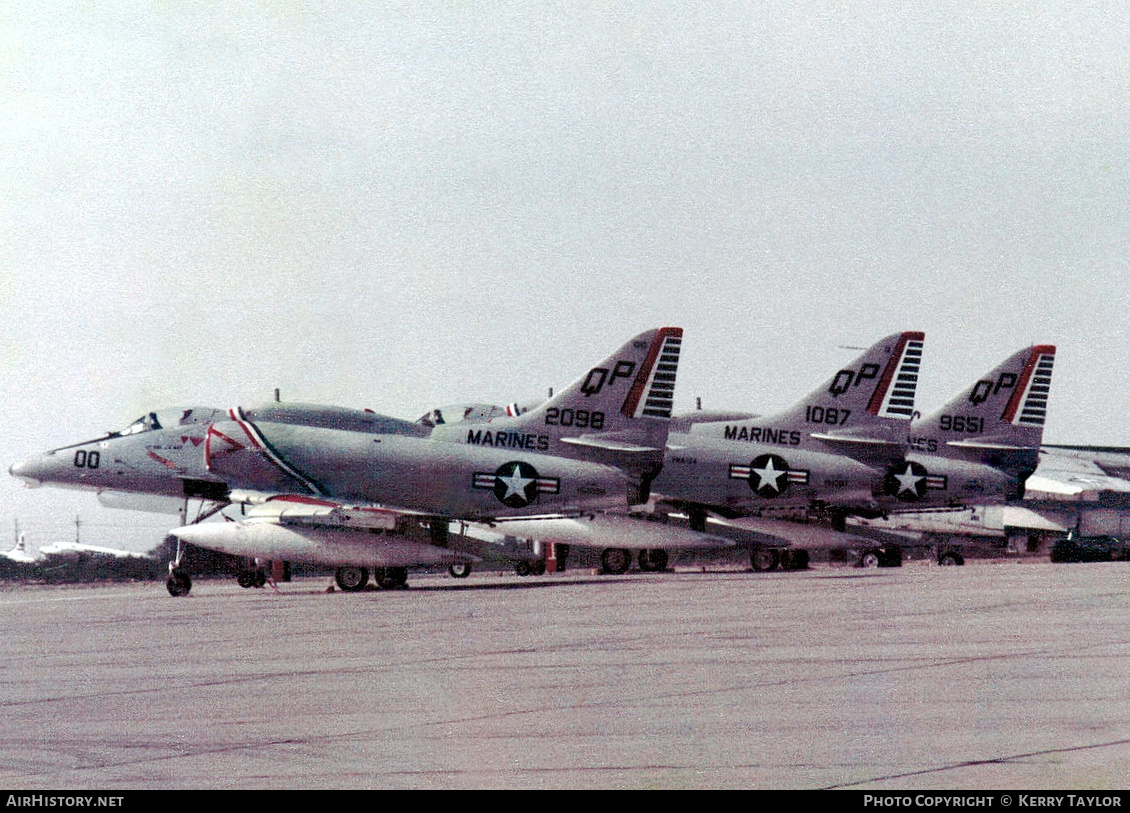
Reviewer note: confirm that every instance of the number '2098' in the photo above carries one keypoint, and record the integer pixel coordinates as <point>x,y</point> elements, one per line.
<point>582,418</point>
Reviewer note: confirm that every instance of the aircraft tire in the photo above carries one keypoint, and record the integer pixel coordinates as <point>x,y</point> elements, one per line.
<point>179,585</point>
<point>951,559</point>
<point>869,559</point>
<point>615,561</point>
<point>459,570</point>
<point>352,579</point>
<point>538,568</point>
<point>390,578</point>
<point>653,560</point>
<point>245,579</point>
<point>762,559</point>
<point>522,568</point>
<point>794,559</point>
<point>891,557</point>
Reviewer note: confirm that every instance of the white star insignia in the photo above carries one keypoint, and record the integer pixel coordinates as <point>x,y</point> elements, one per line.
<point>908,480</point>
<point>770,476</point>
<point>515,483</point>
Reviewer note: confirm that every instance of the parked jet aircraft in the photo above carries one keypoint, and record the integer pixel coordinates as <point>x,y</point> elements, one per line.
<point>321,479</point>
<point>982,445</point>
<point>20,553</point>
<point>738,468</point>
<point>862,411</point>
<point>74,549</point>
<point>977,449</point>
<point>596,445</point>
<point>157,464</point>
<point>846,449</point>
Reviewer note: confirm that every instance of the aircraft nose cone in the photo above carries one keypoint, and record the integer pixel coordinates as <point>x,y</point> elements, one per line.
<point>26,471</point>
<point>188,533</point>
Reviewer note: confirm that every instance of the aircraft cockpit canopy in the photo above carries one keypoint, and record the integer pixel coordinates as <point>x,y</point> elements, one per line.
<point>170,418</point>
<point>471,413</point>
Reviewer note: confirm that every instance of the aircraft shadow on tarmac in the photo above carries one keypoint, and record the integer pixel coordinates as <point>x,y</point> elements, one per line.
<point>513,585</point>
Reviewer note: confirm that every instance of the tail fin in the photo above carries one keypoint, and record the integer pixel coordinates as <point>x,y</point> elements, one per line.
<point>625,401</point>
<point>635,382</point>
<point>997,420</point>
<point>617,413</point>
<point>878,386</point>
<point>867,403</point>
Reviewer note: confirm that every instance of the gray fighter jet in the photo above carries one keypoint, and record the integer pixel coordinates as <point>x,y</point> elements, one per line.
<point>862,411</point>
<point>846,449</point>
<point>348,486</point>
<point>982,443</point>
<point>978,449</point>
<point>742,468</point>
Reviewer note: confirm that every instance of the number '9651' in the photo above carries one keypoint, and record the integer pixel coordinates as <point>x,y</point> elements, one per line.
<point>967,424</point>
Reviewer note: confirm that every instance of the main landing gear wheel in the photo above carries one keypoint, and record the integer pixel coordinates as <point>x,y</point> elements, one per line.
<point>892,557</point>
<point>951,559</point>
<point>251,578</point>
<point>352,579</point>
<point>389,578</point>
<point>179,584</point>
<point>460,570</point>
<point>538,568</point>
<point>522,568</point>
<point>869,559</point>
<point>764,559</point>
<point>794,559</point>
<point>615,561</point>
<point>653,560</point>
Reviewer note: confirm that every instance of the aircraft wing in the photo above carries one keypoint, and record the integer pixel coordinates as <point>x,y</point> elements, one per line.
<point>1073,485</point>
<point>1080,473</point>
<point>1113,461</point>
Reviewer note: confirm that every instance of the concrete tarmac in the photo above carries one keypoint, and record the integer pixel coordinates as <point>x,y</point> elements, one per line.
<point>996,675</point>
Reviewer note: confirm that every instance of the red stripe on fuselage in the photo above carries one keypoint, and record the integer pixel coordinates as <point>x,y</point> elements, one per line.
<point>214,432</point>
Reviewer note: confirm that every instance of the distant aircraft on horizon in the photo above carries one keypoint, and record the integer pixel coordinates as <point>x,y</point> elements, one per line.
<point>75,549</point>
<point>19,553</point>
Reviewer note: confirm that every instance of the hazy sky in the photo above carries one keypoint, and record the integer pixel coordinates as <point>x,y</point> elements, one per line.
<point>402,205</point>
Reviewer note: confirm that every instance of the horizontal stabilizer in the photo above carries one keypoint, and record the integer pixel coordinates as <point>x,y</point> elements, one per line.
<point>852,440</point>
<point>988,444</point>
<point>609,443</point>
